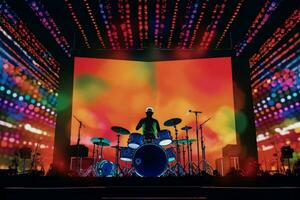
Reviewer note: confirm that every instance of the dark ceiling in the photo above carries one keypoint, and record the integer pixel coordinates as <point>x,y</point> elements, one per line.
<point>162,24</point>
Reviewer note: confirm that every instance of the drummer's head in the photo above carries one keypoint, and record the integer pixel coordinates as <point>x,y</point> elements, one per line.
<point>149,111</point>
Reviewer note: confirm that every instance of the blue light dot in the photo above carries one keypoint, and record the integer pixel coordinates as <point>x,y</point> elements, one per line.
<point>282,100</point>
<point>294,94</point>
<point>263,101</point>
<point>14,95</point>
<point>8,92</point>
<point>268,98</point>
<point>2,88</point>
<point>32,101</point>
<point>273,95</point>
<point>21,98</point>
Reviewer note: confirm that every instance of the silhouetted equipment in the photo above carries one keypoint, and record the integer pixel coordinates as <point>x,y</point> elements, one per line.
<point>25,153</point>
<point>287,152</point>
<point>83,151</point>
<point>120,130</point>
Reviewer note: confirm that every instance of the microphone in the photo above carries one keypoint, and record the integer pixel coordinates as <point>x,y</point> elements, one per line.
<point>193,111</point>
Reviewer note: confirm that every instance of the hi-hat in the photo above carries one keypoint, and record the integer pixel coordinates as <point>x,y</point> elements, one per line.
<point>100,141</point>
<point>120,130</point>
<point>172,122</point>
<point>185,128</point>
<point>184,141</point>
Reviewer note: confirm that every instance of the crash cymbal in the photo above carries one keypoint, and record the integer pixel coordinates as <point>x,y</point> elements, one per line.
<point>172,122</point>
<point>120,130</point>
<point>184,141</point>
<point>100,141</point>
<point>185,128</point>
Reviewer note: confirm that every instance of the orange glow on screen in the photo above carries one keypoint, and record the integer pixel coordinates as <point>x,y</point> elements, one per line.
<point>111,92</point>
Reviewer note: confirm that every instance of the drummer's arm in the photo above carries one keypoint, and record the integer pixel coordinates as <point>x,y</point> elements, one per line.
<point>157,127</point>
<point>139,125</point>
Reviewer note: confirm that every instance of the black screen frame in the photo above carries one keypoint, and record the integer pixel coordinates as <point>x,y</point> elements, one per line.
<point>241,79</point>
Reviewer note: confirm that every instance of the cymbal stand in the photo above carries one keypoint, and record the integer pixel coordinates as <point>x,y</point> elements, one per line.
<point>205,165</point>
<point>94,151</point>
<point>193,168</point>
<point>183,157</point>
<point>118,167</point>
<point>177,166</point>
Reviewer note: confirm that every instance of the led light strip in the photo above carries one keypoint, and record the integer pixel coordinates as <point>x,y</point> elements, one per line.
<point>173,24</point>
<point>211,29</point>
<point>93,20</point>
<point>284,60</point>
<point>79,26</point>
<point>260,20</point>
<point>111,29</point>
<point>49,80</point>
<point>186,21</point>
<point>228,25</point>
<point>21,34</point>
<point>199,20</point>
<point>47,21</point>
<point>190,23</point>
<point>276,37</point>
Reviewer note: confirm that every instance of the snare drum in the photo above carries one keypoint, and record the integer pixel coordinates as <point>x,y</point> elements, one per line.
<point>171,154</point>
<point>126,154</point>
<point>164,137</point>
<point>135,140</point>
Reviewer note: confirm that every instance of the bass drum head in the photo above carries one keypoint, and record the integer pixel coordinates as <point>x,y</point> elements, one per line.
<point>150,160</point>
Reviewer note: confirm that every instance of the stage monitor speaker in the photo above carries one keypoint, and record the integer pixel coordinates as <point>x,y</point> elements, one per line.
<point>83,151</point>
<point>231,150</point>
<point>224,165</point>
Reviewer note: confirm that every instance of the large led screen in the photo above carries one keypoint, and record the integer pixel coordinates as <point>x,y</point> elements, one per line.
<point>110,92</point>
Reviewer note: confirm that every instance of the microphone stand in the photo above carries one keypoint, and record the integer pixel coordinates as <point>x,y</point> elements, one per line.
<point>78,144</point>
<point>203,145</point>
<point>197,138</point>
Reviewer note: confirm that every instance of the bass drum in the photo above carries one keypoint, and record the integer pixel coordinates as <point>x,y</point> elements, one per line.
<point>105,168</point>
<point>150,160</point>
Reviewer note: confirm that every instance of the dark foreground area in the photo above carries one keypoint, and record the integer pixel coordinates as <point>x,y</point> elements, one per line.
<point>281,187</point>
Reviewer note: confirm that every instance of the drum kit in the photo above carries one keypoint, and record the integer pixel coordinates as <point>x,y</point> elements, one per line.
<point>163,156</point>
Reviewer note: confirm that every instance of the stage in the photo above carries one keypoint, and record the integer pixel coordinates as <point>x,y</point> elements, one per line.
<point>268,187</point>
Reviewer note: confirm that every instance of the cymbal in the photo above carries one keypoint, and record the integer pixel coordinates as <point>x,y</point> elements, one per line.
<point>100,141</point>
<point>120,130</point>
<point>185,128</point>
<point>184,141</point>
<point>172,122</point>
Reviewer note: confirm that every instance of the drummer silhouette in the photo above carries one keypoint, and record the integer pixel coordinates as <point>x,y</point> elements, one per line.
<point>149,125</point>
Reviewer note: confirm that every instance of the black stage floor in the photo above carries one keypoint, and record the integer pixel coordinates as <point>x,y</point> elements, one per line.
<point>150,188</point>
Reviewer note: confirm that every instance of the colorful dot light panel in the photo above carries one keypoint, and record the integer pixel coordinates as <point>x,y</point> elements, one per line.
<point>276,94</point>
<point>116,93</point>
<point>27,116</point>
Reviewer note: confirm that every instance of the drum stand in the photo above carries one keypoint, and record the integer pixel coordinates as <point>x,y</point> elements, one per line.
<point>119,171</point>
<point>178,167</point>
<point>192,167</point>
